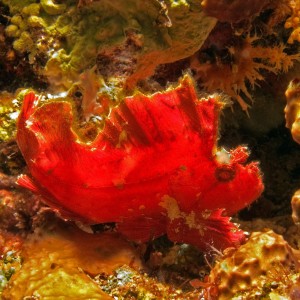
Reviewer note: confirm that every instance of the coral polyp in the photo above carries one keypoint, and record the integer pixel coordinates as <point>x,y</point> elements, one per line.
<point>247,61</point>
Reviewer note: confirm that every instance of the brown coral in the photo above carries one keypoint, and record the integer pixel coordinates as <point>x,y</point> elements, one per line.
<point>18,210</point>
<point>294,21</point>
<point>265,264</point>
<point>234,11</point>
<point>296,207</point>
<point>292,109</point>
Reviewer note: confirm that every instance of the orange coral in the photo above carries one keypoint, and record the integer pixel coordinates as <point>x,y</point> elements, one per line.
<point>292,117</point>
<point>294,21</point>
<point>292,109</point>
<point>296,207</point>
<point>266,258</point>
<point>247,59</point>
<point>60,265</point>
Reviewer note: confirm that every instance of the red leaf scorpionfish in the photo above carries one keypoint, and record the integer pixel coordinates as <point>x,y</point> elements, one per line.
<point>165,177</point>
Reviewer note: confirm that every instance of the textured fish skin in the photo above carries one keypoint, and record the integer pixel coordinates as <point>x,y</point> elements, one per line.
<point>153,169</point>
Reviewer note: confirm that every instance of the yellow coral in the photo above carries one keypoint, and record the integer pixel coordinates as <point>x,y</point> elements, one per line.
<point>34,21</point>
<point>12,31</point>
<point>247,61</point>
<point>9,110</point>
<point>250,271</point>
<point>294,21</point>
<point>296,207</point>
<point>55,266</point>
<point>32,9</point>
<point>292,109</point>
<point>24,43</point>
<point>52,8</point>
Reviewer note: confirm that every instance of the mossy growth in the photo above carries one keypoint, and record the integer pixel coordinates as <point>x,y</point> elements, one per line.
<point>16,6</point>
<point>52,8</point>
<point>24,43</point>
<point>9,264</point>
<point>125,40</point>
<point>127,283</point>
<point>9,110</point>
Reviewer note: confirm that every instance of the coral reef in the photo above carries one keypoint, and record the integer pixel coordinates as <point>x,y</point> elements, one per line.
<point>9,110</point>
<point>11,162</point>
<point>234,11</point>
<point>247,59</point>
<point>147,179</point>
<point>293,21</point>
<point>18,211</point>
<point>109,267</point>
<point>126,283</point>
<point>104,72</point>
<point>53,265</point>
<point>292,117</point>
<point>128,42</point>
<point>10,259</point>
<point>245,47</point>
<point>296,207</point>
<point>292,109</point>
<point>266,266</point>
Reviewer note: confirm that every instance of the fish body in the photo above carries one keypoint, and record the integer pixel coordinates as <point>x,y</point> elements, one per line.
<point>153,169</point>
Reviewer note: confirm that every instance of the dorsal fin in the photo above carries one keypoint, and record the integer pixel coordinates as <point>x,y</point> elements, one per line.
<point>162,117</point>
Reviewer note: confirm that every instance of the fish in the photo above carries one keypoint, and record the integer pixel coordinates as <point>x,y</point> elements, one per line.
<point>155,168</point>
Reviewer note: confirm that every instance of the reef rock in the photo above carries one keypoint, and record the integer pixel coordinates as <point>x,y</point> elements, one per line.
<point>266,267</point>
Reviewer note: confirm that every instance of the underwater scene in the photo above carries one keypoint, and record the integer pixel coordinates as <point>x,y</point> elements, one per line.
<point>150,149</point>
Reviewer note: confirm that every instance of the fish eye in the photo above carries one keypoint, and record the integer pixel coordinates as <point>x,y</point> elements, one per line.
<point>225,173</point>
<point>78,94</point>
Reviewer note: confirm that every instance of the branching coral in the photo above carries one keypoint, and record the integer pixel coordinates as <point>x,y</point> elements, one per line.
<point>241,68</point>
